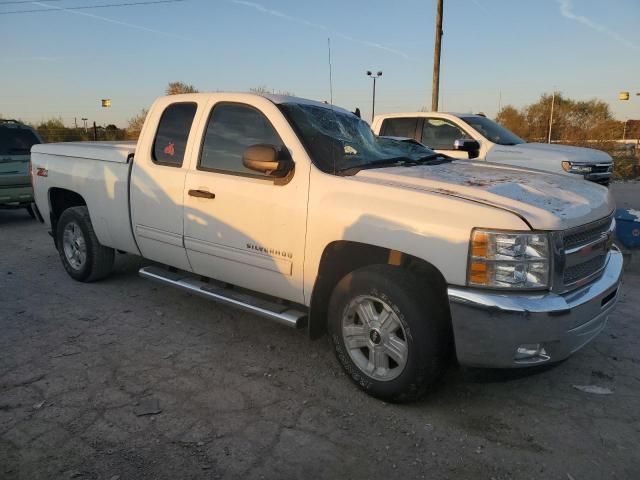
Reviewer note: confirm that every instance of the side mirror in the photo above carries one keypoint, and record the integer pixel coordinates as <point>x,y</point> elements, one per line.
<point>466,145</point>
<point>268,160</point>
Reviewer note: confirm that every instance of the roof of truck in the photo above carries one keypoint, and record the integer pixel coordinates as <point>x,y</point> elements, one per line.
<point>427,114</point>
<point>277,99</point>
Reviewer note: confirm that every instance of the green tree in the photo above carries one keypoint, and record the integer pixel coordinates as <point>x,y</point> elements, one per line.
<point>54,130</point>
<point>573,120</point>
<point>175,88</point>
<point>514,120</point>
<point>134,125</point>
<point>111,132</point>
<point>264,89</point>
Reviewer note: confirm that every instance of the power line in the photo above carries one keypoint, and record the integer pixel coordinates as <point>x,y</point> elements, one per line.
<point>86,7</point>
<point>24,1</point>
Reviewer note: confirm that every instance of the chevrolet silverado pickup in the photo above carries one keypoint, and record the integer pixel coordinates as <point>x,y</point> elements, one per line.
<point>477,137</point>
<point>294,210</point>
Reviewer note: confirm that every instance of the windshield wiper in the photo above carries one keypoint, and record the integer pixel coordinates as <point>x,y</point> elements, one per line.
<point>431,159</point>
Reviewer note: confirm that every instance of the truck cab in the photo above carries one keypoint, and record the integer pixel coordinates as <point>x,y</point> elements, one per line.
<point>476,137</point>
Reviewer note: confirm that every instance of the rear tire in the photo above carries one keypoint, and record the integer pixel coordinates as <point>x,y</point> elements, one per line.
<point>82,255</point>
<point>390,331</point>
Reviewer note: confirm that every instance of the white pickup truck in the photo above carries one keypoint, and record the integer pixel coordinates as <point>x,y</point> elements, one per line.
<point>294,210</point>
<point>469,136</point>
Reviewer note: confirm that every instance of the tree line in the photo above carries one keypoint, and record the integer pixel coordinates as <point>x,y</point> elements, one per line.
<point>54,130</point>
<point>573,121</point>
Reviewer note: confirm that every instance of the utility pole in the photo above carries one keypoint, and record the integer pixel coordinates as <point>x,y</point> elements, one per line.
<point>435,85</point>
<point>375,77</point>
<point>553,100</point>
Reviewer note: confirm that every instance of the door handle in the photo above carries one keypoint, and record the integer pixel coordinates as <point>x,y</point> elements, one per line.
<point>201,194</point>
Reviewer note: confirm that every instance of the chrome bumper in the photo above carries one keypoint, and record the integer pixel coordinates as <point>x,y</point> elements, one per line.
<point>489,327</point>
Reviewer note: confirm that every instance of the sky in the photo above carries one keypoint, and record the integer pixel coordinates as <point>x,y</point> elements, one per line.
<point>61,62</point>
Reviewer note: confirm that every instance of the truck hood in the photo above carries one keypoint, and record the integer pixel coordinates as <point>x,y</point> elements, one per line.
<point>559,152</point>
<point>547,201</point>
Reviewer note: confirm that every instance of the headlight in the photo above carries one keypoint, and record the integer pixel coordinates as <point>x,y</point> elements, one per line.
<point>576,167</point>
<point>508,259</point>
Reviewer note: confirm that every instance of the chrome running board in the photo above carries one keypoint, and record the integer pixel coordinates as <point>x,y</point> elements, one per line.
<point>280,312</point>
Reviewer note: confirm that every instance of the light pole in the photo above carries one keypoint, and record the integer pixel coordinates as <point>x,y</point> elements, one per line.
<point>553,101</point>
<point>437,47</point>
<point>375,77</point>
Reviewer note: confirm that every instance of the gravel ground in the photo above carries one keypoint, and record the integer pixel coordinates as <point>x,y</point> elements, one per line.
<point>125,379</point>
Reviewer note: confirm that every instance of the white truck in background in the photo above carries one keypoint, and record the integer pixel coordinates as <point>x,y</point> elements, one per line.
<point>476,137</point>
<point>294,210</point>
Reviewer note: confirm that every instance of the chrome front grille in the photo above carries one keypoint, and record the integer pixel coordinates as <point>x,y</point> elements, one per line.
<point>583,235</point>
<point>583,270</point>
<point>585,252</point>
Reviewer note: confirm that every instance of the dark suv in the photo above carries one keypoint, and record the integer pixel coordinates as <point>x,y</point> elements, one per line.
<point>16,140</point>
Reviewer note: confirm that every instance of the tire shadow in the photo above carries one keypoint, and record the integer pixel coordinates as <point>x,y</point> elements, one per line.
<point>460,374</point>
<point>126,265</point>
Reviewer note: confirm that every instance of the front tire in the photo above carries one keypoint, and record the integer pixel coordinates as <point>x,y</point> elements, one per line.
<point>390,332</point>
<point>82,255</point>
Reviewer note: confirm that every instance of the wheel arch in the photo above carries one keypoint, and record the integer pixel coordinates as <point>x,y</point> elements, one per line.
<point>59,200</point>
<point>344,256</point>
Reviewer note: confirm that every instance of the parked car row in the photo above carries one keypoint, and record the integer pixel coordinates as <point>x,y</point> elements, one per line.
<point>294,210</point>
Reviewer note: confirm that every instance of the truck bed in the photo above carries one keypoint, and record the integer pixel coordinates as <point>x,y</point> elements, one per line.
<point>117,152</point>
<point>99,173</point>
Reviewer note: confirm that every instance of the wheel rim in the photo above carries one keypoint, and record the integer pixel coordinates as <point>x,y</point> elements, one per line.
<point>74,245</point>
<point>375,338</point>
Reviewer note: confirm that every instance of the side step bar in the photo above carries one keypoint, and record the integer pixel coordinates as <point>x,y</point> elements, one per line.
<point>281,313</point>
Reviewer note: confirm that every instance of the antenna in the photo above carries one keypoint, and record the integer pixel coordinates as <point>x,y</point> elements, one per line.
<point>330,77</point>
<point>331,94</point>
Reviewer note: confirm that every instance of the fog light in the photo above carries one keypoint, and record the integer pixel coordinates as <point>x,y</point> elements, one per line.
<point>531,353</point>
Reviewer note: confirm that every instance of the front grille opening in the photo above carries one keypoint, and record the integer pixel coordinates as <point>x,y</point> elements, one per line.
<point>582,265</point>
<point>609,297</point>
<point>583,270</point>
<point>587,235</point>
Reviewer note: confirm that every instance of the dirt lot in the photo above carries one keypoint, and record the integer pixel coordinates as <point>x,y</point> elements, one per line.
<point>124,379</point>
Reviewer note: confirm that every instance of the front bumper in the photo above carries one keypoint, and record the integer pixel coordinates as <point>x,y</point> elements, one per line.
<point>489,326</point>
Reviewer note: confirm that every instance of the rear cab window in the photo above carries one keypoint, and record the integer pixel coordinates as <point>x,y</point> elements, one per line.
<point>170,142</point>
<point>399,127</point>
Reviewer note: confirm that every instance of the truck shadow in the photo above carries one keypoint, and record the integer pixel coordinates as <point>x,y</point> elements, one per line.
<point>13,216</point>
<point>497,375</point>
